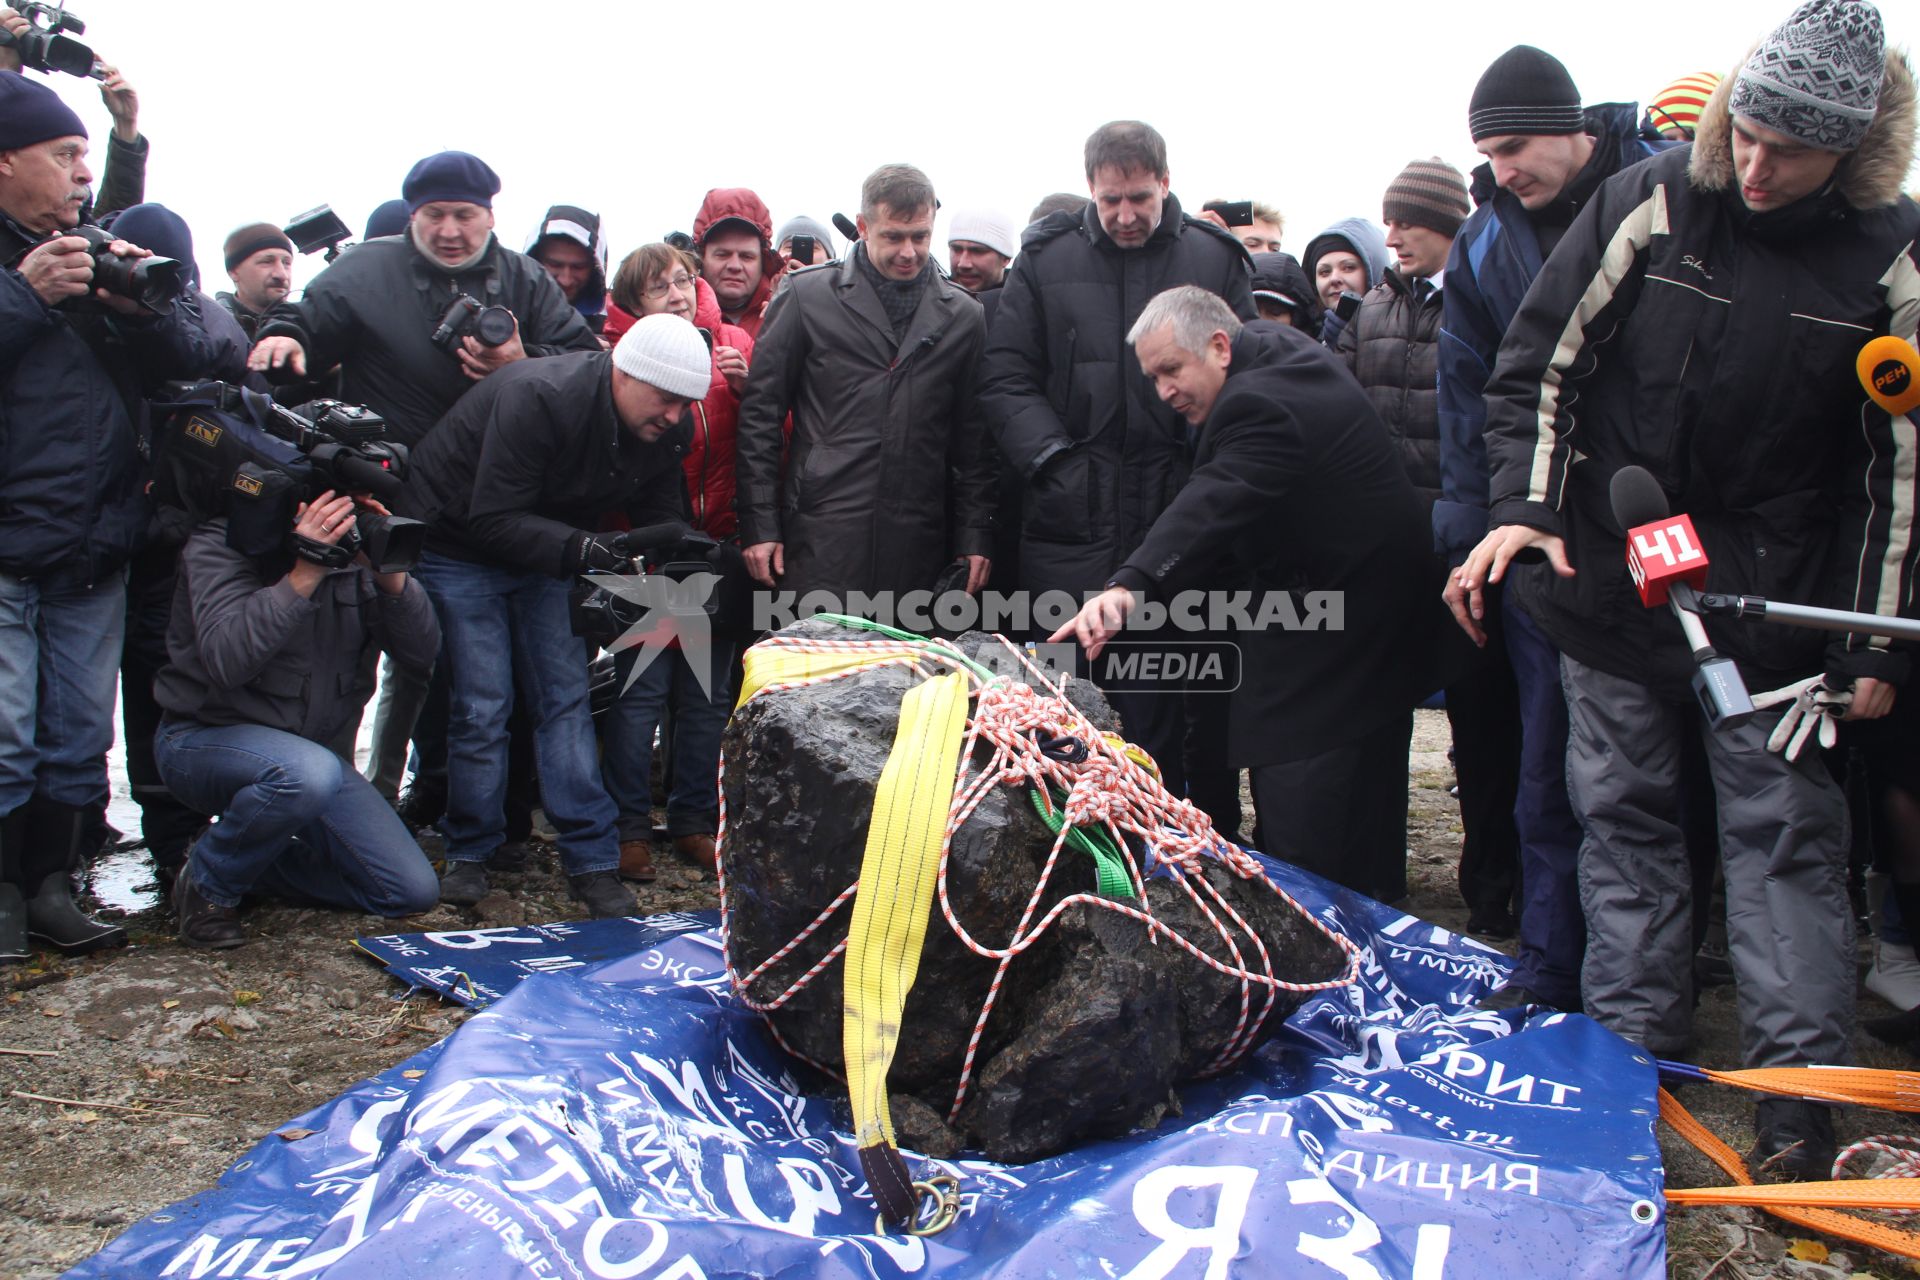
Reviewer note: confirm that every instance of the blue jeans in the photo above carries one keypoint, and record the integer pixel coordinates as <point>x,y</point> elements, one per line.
<point>59,665</point>
<point>496,622</point>
<point>269,786</point>
<point>626,765</point>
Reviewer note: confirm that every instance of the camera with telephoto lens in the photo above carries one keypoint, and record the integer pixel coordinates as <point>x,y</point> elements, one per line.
<point>226,451</point>
<point>468,317</point>
<point>48,46</point>
<point>153,282</point>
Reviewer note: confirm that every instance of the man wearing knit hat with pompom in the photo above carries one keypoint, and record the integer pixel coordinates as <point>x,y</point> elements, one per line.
<point>1701,319</point>
<point>505,481</point>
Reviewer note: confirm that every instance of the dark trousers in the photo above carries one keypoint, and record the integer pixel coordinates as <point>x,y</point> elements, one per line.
<point>1483,708</point>
<point>166,824</point>
<point>1553,931</point>
<point>1186,734</point>
<point>1342,814</point>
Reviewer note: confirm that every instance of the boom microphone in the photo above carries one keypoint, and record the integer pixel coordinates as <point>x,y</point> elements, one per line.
<point>1889,369</point>
<point>1669,567</point>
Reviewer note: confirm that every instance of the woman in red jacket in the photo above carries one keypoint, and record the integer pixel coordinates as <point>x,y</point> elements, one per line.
<point>659,278</point>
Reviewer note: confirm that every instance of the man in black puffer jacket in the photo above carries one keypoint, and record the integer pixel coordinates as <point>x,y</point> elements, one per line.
<point>74,365</point>
<point>1101,456</point>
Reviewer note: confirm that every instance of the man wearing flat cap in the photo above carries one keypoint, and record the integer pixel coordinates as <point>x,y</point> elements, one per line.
<point>374,311</point>
<point>72,508</point>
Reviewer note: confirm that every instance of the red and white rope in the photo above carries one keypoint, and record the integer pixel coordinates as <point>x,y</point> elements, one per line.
<point>1903,1161</point>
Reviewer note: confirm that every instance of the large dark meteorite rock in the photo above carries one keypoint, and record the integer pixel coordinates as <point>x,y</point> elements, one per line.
<point>1094,1023</point>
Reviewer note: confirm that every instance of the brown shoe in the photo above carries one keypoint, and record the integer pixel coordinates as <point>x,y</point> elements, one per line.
<point>698,849</point>
<point>636,861</point>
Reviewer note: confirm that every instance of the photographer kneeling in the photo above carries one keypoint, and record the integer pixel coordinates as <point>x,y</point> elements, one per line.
<point>267,662</point>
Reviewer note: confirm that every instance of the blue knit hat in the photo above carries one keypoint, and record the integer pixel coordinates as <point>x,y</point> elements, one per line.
<point>156,227</point>
<point>451,176</point>
<point>389,218</point>
<point>30,112</point>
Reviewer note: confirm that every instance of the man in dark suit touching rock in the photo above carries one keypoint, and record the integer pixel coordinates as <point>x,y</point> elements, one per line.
<point>1296,496</point>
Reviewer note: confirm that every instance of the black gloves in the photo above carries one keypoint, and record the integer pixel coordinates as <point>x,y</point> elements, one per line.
<point>603,553</point>
<point>615,552</point>
<point>665,534</point>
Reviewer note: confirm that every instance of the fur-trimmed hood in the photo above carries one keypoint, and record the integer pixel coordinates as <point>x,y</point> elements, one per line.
<point>1869,178</point>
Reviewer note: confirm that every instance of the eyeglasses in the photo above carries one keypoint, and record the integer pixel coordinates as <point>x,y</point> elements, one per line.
<point>683,282</point>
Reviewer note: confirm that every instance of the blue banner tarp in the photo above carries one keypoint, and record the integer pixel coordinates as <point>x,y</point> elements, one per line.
<point>629,1119</point>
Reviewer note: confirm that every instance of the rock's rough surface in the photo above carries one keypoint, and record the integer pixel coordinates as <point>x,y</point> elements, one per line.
<point>1093,1024</point>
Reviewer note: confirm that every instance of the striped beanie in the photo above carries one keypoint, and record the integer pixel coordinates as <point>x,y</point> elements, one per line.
<point>1428,193</point>
<point>1525,91</point>
<point>1817,77</point>
<point>1678,105</point>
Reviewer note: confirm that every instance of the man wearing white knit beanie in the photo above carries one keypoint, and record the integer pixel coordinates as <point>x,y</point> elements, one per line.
<point>506,482</point>
<point>980,244</point>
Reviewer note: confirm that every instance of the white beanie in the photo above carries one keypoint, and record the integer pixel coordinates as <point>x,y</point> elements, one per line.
<point>987,227</point>
<point>667,352</point>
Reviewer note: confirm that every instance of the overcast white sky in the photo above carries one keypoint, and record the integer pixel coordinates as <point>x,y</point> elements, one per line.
<point>260,110</point>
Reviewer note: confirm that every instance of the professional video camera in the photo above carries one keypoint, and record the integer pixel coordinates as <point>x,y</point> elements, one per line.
<point>153,282</point>
<point>316,230</point>
<point>674,559</point>
<point>228,451</point>
<point>48,46</point>
<point>468,317</point>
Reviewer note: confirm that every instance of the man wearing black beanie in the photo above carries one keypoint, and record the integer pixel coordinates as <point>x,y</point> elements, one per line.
<point>1546,156</point>
<point>72,509</point>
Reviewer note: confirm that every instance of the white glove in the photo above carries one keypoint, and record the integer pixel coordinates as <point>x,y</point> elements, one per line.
<point>1812,703</point>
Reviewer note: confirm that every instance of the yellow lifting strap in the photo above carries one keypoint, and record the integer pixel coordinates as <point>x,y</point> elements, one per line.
<point>898,873</point>
<point>772,665</point>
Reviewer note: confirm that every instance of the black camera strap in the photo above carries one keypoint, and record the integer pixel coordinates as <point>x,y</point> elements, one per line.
<point>330,555</point>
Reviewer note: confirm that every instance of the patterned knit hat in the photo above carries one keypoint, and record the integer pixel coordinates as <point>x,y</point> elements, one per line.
<point>1428,193</point>
<point>1817,77</point>
<point>1678,105</point>
<point>1525,91</point>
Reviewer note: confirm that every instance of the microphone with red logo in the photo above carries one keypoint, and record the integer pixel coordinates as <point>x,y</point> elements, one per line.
<point>1669,567</point>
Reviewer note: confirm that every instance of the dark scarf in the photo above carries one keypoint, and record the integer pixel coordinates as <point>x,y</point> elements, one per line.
<point>899,298</point>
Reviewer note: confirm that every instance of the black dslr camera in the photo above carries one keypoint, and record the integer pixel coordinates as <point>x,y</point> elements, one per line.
<point>468,317</point>
<point>153,282</point>
<point>227,451</point>
<point>47,46</point>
